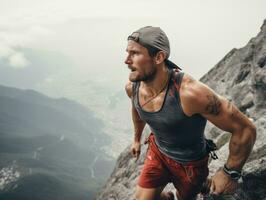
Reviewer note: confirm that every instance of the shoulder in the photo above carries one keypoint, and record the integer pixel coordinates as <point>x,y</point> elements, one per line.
<point>191,87</point>
<point>195,95</point>
<point>129,88</point>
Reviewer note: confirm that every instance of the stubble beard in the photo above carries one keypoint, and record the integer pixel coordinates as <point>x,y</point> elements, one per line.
<point>146,77</point>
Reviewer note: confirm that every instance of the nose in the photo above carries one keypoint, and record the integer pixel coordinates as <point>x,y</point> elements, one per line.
<point>128,61</point>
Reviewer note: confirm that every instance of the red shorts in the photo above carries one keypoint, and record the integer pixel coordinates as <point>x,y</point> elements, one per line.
<point>158,170</point>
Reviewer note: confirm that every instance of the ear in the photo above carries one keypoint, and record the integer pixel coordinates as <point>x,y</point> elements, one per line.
<point>160,57</point>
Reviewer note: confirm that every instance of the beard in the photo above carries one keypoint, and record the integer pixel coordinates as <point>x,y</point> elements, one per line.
<point>145,75</point>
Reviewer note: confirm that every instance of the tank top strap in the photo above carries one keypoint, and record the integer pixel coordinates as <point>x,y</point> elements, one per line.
<point>177,77</point>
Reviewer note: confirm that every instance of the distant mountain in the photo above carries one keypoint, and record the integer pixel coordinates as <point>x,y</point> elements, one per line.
<point>45,140</point>
<point>108,102</point>
<point>43,187</point>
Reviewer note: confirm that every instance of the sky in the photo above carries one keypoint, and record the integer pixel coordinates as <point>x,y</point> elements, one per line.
<point>91,35</point>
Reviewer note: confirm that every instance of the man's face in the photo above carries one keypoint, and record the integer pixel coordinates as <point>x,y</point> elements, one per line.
<point>139,62</point>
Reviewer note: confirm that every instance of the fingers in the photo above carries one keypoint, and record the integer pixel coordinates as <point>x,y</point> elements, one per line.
<point>135,153</point>
<point>222,185</point>
<point>220,190</point>
<point>206,187</point>
<point>231,189</point>
<point>212,187</point>
<point>135,150</point>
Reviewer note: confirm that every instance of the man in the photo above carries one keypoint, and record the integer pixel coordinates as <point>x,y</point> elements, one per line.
<point>176,107</point>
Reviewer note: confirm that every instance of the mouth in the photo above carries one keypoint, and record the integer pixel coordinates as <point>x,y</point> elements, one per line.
<point>132,69</point>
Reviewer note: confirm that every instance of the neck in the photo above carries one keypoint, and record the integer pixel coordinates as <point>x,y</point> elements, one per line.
<point>160,80</point>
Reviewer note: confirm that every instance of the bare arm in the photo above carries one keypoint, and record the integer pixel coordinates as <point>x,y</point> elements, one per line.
<point>199,98</point>
<point>227,117</point>
<point>138,123</point>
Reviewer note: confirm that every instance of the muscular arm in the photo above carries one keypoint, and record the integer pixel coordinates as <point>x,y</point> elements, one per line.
<point>198,98</point>
<point>137,122</point>
<point>226,116</point>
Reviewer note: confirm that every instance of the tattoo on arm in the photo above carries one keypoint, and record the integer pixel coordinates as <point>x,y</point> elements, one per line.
<point>233,110</point>
<point>214,105</point>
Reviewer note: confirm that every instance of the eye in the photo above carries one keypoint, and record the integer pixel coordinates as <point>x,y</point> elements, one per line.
<point>135,53</point>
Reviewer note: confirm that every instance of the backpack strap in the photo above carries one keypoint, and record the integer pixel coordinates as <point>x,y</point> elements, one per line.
<point>211,147</point>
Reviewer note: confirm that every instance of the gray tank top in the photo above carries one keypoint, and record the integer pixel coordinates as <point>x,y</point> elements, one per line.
<point>177,135</point>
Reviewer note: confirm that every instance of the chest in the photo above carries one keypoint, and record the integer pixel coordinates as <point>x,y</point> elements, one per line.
<point>151,102</point>
<point>162,113</point>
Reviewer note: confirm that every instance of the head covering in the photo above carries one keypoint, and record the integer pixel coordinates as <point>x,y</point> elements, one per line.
<point>154,37</point>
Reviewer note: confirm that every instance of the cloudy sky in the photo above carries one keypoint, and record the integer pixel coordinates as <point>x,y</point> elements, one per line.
<point>88,38</point>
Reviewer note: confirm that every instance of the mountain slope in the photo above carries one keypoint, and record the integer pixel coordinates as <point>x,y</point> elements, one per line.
<point>55,139</point>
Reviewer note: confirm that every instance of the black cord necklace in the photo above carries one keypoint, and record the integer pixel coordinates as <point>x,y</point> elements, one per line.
<point>153,97</point>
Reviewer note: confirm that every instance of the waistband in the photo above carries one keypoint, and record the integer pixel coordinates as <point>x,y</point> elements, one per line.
<point>151,141</point>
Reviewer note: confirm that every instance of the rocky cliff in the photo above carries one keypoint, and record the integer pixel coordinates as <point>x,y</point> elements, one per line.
<point>241,77</point>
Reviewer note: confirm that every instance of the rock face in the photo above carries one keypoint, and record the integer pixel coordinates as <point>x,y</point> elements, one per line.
<point>240,77</point>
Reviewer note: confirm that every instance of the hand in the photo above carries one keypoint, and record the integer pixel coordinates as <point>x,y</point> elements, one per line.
<point>135,150</point>
<point>221,183</point>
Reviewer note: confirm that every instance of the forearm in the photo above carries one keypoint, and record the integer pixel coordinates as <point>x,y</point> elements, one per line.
<point>138,125</point>
<point>240,147</point>
<point>138,129</point>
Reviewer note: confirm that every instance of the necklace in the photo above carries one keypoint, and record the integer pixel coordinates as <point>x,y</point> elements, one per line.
<point>153,97</point>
